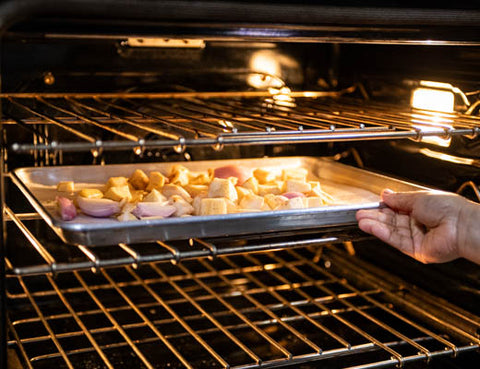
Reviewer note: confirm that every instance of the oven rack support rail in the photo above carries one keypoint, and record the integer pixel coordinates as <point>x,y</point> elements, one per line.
<point>246,311</point>
<point>46,253</point>
<point>218,119</point>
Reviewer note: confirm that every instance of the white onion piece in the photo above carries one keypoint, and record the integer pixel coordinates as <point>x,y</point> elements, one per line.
<point>98,208</point>
<point>66,208</point>
<point>291,195</point>
<point>153,209</point>
<point>232,171</point>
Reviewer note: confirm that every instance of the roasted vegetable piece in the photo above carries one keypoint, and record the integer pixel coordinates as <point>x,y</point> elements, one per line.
<point>91,193</point>
<point>153,209</point>
<point>118,193</point>
<point>66,208</point>
<point>222,188</point>
<point>99,208</point>
<point>213,206</point>
<point>66,186</point>
<point>156,180</point>
<point>231,171</point>
<point>139,180</point>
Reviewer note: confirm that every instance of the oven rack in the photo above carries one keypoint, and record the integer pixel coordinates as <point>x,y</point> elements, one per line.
<point>38,250</point>
<point>141,121</point>
<point>246,311</point>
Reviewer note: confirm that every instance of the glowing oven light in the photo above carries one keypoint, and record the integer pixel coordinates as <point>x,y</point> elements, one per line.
<point>436,98</point>
<point>431,99</point>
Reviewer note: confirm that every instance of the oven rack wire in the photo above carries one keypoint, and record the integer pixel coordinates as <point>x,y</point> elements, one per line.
<point>140,121</point>
<point>44,252</point>
<point>245,311</point>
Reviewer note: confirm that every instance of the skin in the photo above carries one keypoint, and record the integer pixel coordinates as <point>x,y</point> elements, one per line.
<point>432,227</point>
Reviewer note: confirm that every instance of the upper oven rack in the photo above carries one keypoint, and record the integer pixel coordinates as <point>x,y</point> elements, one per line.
<point>181,120</point>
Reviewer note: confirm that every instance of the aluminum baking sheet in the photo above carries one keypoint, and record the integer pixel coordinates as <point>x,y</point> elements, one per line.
<point>352,189</point>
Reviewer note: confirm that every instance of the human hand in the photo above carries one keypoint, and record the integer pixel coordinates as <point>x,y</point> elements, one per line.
<point>431,227</point>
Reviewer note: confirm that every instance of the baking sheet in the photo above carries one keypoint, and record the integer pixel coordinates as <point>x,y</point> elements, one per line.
<point>352,189</point>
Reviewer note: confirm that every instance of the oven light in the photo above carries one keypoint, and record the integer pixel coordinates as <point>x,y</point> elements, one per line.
<point>433,99</point>
<point>266,68</point>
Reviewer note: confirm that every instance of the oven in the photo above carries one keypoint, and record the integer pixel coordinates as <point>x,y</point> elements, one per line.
<point>385,93</point>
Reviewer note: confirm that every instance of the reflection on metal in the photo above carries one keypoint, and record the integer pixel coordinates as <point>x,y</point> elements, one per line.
<point>164,42</point>
<point>471,185</point>
<point>449,158</point>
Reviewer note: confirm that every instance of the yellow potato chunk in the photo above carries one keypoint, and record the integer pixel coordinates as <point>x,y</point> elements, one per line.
<point>264,176</point>
<point>196,189</point>
<point>268,189</point>
<point>182,207</point>
<point>274,202</point>
<point>118,193</point>
<point>66,186</point>
<point>156,180</point>
<point>116,182</point>
<point>251,184</point>
<point>199,178</point>
<point>171,189</point>
<point>293,185</point>
<point>139,180</point>
<point>91,193</point>
<point>154,196</point>
<point>314,202</point>
<point>137,195</point>
<point>222,188</point>
<point>252,201</point>
<point>179,175</point>
<point>241,192</point>
<point>295,203</point>
<point>210,206</point>
<point>299,174</point>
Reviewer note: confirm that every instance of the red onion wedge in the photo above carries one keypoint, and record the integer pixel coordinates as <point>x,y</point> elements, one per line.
<point>291,195</point>
<point>98,208</point>
<point>153,209</point>
<point>232,171</point>
<point>66,208</point>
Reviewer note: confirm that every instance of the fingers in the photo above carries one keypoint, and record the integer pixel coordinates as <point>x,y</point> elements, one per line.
<point>401,201</point>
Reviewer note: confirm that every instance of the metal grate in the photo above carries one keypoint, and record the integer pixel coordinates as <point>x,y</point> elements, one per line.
<point>37,250</point>
<point>180,120</point>
<point>245,311</point>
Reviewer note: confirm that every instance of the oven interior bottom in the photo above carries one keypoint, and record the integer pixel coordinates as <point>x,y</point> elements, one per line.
<point>281,308</point>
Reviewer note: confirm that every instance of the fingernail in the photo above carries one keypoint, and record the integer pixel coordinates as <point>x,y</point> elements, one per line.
<point>387,191</point>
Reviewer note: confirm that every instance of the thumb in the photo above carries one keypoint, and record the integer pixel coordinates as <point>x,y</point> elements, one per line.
<point>400,201</point>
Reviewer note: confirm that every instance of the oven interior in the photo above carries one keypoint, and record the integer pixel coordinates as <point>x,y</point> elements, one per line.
<point>81,92</point>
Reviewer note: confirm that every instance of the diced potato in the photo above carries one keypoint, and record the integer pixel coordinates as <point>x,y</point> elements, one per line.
<point>275,202</point>
<point>314,202</point>
<point>251,184</point>
<point>298,174</point>
<point>139,180</point>
<point>241,192</point>
<point>91,193</point>
<point>196,189</point>
<point>198,178</point>
<point>264,175</point>
<point>172,189</point>
<point>231,207</point>
<point>292,185</point>
<point>126,217</point>
<point>179,175</point>
<point>222,188</point>
<point>156,180</point>
<point>137,195</point>
<point>116,182</point>
<point>118,193</point>
<point>294,203</point>
<point>66,186</point>
<point>197,203</point>
<point>252,201</point>
<point>210,206</point>
<point>154,196</point>
<point>233,180</point>
<point>181,206</point>
<point>268,189</point>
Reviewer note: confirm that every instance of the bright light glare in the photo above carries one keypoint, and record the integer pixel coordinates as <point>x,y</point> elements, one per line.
<point>267,68</point>
<point>430,99</point>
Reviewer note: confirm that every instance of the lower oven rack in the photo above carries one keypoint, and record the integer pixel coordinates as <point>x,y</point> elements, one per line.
<point>140,121</point>
<point>245,311</point>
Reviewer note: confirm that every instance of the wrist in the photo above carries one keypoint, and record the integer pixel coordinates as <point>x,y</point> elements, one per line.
<point>468,232</point>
